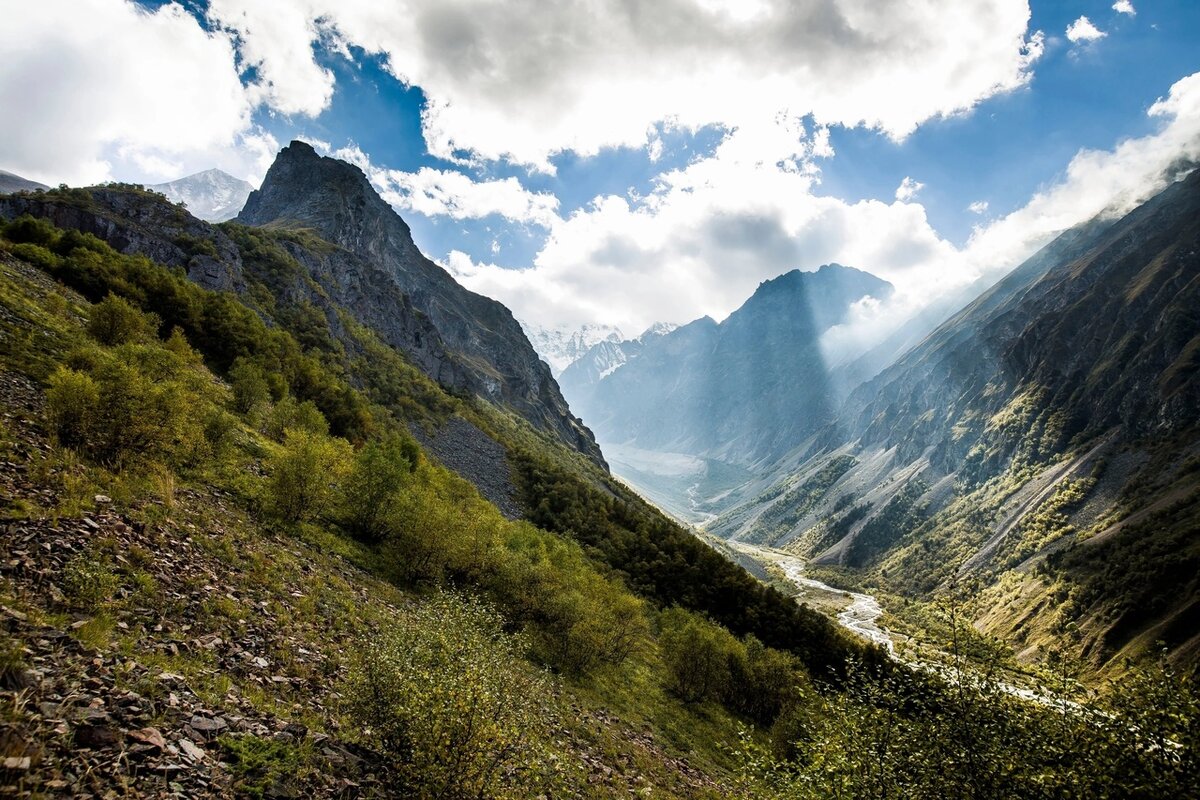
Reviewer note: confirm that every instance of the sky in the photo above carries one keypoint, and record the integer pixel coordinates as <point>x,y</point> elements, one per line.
<point>630,162</point>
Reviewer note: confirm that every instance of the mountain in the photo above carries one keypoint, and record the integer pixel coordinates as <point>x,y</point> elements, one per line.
<point>335,254</point>
<point>15,183</point>
<point>560,347</point>
<point>579,379</point>
<point>212,195</point>
<point>741,390</point>
<point>214,474</point>
<point>1041,444</point>
<point>489,353</point>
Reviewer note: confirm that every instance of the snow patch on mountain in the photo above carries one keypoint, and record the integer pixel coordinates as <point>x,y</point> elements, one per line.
<point>211,195</point>
<point>560,347</point>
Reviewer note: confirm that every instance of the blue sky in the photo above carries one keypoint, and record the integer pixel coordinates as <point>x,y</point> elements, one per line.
<point>626,163</point>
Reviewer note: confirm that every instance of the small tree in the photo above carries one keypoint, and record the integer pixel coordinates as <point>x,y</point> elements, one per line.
<point>447,697</point>
<point>115,321</point>
<point>72,400</point>
<point>380,469</point>
<point>698,655</point>
<point>305,473</point>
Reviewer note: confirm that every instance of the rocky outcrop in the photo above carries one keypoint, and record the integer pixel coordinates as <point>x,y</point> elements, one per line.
<point>492,356</point>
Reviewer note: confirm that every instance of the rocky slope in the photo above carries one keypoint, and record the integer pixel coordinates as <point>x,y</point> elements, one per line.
<point>362,263</point>
<point>211,195</point>
<point>493,357</point>
<point>134,221</point>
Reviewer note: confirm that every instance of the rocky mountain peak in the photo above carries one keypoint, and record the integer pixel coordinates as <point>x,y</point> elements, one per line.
<point>494,359</point>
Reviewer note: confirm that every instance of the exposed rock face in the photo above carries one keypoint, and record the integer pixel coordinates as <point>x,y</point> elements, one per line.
<point>137,222</point>
<point>495,360</point>
<point>747,388</point>
<point>1101,325</point>
<point>211,195</point>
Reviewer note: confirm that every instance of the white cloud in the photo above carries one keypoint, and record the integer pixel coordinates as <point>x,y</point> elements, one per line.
<point>1124,7</point>
<point>908,189</point>
<point>435,192</point>
<point>1082,30</point>
<point>710,232</point>
<point>1110,182</point>
<point>707,236</point>
<point>95,88</point>
<point>289,80</point>
<point>528,79</point>
<point>445,192</point>
<point>978,207</point>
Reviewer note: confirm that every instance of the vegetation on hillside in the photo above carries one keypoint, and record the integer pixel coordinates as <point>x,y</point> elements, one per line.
<point>460,650</point>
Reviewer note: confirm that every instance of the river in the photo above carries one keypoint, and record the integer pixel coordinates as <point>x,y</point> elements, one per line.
<point>861,616</point>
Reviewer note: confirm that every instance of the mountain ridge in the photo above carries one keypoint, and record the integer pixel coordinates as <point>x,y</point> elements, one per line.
<point>1015,438</point>
<point>708,388</point>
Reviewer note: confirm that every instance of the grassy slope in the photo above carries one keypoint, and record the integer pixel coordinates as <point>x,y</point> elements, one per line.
<point>199,586</point>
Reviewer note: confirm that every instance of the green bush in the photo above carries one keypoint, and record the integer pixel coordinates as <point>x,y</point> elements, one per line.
<point>288,413</point>
<point>250,387</point>
<point>88,581</point>
<point>72,401</point>
<point>115,321</point>
<point>304,474</point>
<point>372,488</point>
<point>445,695</point>
<point>698,655</point>
<point>35,254</point>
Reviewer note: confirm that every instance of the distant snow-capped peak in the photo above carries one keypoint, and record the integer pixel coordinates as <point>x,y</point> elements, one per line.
<point>559,347</point>
<point>211,195</point>
<point>657,329</point>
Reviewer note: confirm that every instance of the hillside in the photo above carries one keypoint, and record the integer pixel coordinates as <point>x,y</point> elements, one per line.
<point>373,273</point>
<point>1040,446</point>
<point>15,183</point>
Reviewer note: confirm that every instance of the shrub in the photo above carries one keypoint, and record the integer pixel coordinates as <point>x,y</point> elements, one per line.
<point>372,488</point>
<point>304,474</point>
<point>115,321</point>
<point>35,254</point>
<point>72,401</point>
<point>88,581</point>
<point>288,413</point>
<point>250,387</point>
<point>447,698</point>
<point>698,655</point>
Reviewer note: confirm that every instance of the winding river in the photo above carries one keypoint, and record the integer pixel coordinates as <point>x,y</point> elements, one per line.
<point>860,617</point>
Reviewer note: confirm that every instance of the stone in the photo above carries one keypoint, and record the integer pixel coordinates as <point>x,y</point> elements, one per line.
<point>191,750</point>
<point>149,736</point>
<point>96,736</point>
